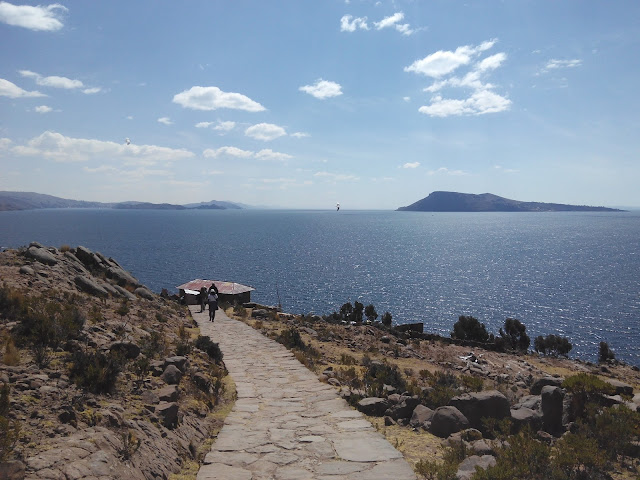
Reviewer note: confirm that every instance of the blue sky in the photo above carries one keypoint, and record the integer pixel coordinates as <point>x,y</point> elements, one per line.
<point>302,104</point>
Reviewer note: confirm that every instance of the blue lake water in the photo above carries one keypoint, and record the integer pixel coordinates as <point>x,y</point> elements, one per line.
<point>573,274</point>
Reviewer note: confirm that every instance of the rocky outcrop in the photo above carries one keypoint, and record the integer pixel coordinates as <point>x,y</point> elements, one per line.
<point>447,420</point>
<point>552,407</point>
<point>374,406</point>
<point>476,406</point>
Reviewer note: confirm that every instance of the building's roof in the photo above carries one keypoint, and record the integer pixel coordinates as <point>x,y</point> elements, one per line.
<point>225,288</point>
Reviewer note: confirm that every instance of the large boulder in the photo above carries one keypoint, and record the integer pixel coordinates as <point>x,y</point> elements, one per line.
<point>374,406</point>
<point>403,409</point>
<point>172,375</point>
<point>539,383</point>
<point>167,413</point>
<point>467,468</point>
<point>170,393</point>
<point>621,387</point>
<point>447,420</point>
<point>121,276</point>
<point>89,286</point>
<point>144,293</point>
<point>41,255</point>
<point>129,349</point>
<point>179,361</point>
<point>525,416</point>
<point>552,400</point>
<point>87,257</point>
<point>479,405</point>
<point>529,401</point>
<point>420,416</point>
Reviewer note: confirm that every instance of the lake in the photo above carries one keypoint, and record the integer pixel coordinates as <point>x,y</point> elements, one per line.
<point>572,274</point>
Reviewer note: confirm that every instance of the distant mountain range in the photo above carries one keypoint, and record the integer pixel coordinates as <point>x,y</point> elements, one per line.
<point>487,202</point>
<point>34,201</point>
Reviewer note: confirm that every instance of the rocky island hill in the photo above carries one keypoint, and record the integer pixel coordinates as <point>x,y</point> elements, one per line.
<point>487,202</point>
<point>99,377</point>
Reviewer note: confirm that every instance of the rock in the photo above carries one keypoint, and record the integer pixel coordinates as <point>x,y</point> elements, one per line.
<point>121,277</point>
<point>172,375</point>
<point>27,270</point>
<point>89,286</point>
<point>447,420</point>
<point>482,447</point>
<point>202,381</point>
<point>621,387</point>
<point>125,293</point>
<point>259,312</point>
<point>529,401</point>
<point>87,257</point>
<point>334,381</point>
<point>388,421</point>
<point>67,415</point>
<point>536,388</point>
<point>467,468</point>
<point>420,416</point>
<point>12,470</point>
<point>168,414</point>
<point>479,405</point>
<point>169,393</point>
<point>526,416</point>
<point>179,361</point>
<point>394,398</point>
<point>144,293</point>
<point>375,406</point>
<point>41,255</point>
<point>552,409</point>
<point>129,349</point>
<point>149,397</point>
<point>403,409</point>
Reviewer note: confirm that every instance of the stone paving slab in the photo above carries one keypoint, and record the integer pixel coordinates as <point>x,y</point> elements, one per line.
<point>286,424</point>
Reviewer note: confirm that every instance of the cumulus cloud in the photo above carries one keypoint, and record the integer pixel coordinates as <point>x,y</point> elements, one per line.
<point>336,177</point>
<point>265,131</point>
<point>43,109</point>
<point>59,148</point>
<point>204,124</point>
<point>350,24</point>
<point>482,98</point>
<point>268,154</point>
<point>165,121</point>
<point>446,171</point>
<point>212,98</point>
<point>322,89</point>
<point>300,135</point>
<point>227,151</point>
<point>411,165</point>
<point>11,90</point>
<point>39,18</point>
<point>555,64</point>
<point>392,21</point>
<point>92,90</point>
<point>225,126</point>
<point>52,81</point>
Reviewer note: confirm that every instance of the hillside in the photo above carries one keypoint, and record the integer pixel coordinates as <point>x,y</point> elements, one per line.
<point>487,202</point>
<point>33,201</point>
<point>99,377</point>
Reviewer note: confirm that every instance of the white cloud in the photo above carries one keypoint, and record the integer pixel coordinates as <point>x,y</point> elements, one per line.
<point>165,121</point>
<point>300,135</point>
<point>336,177</point>
<point>11,90</point>
<point>406,99</point>
<point>350,24</point>
<point>392,22</point>
<point>92,90</point>
<point>446,171</point>
<point>52,81</point>
<point>4,143</point>
<point>411,165</point>
<point>43,109</point>
<point>204,124</point>
<point>268,154</point>
<point>554,64</point>
<point>479,103</point>
<point>34,18</point>
<point>225,126</point>
<point>212,98</point>
<point>55,146</point>
<point>443,62</point>
<point>228,151</point>
<point>265,131</point>
<point>322,89</point>
<point>492,62</point>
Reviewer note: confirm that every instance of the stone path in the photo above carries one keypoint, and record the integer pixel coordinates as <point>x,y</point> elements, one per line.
<point>286,424</point>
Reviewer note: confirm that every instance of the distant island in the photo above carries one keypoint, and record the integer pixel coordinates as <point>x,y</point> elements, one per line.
<point>34,201</point>
<point>487,202</point>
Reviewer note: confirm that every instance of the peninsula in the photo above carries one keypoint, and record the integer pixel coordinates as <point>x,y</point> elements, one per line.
<point>487,202</point>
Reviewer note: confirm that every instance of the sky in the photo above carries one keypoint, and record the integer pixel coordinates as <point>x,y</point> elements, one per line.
<point>304,104</point>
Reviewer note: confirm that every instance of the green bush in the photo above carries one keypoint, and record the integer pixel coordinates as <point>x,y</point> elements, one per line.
<point>291,338</point>
<point>154,345</point>
<point>95,372</point>
<point>378,374</point>
<point>210,348</point>
<point>386,319</point>
<point>577,457</point>
<point>469,328</point>
<point>552,345</point>
<point>605,353</point>
<point>585,389</point>
<point>514,336</point>
<point>616,429</point>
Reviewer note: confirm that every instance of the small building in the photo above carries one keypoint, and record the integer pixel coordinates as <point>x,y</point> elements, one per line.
<point>228,292</point>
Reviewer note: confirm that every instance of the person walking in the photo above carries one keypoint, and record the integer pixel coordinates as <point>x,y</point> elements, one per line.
<point>202,297</point>
<point>212,300</point>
